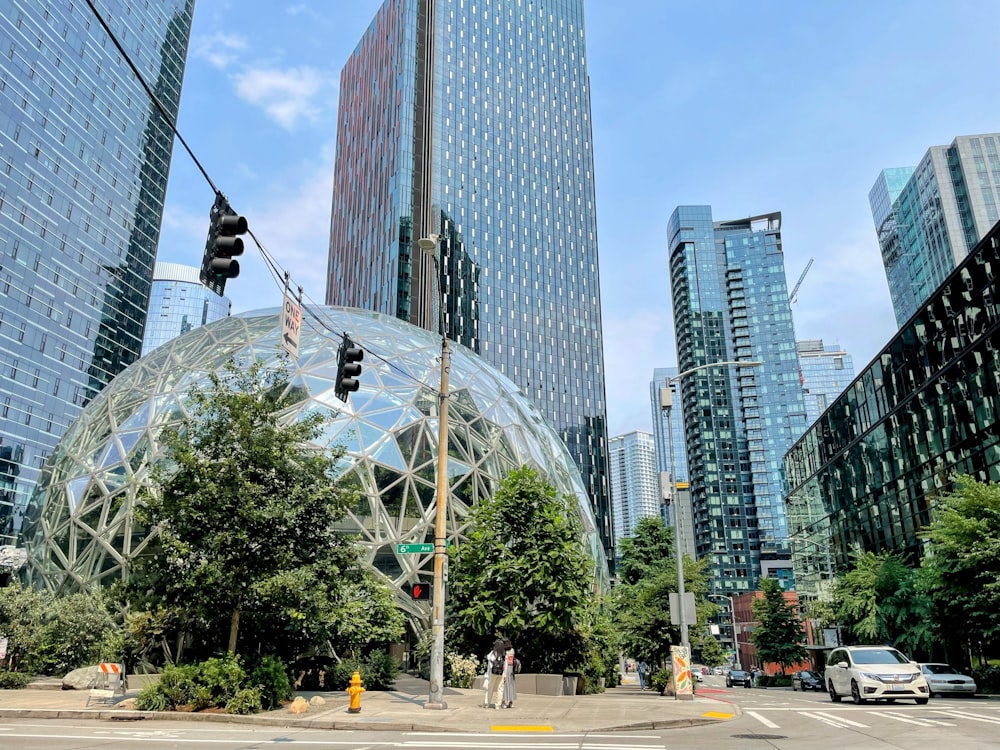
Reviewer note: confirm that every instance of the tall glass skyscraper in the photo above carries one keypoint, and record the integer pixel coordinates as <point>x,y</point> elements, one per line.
<point>730,300</point>
<point>179,303</point>
<point>470,122</point>
<point>931,221</point>
<point>826,372</point>
<point>84,156</point>
<point>635,486</point>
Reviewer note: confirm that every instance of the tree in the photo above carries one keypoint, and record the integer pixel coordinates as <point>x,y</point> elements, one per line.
<point>523,573</point>
<point>648,575</point>
<point>880,601</point>
<point>962,565</point>
<point>712,654</point>
<point>778,635</point>
<point>245,507</point>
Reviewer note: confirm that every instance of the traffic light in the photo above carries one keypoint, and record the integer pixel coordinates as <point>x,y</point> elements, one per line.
<point>222,246</point>
<point>420,591</point>
<point>348,368</point>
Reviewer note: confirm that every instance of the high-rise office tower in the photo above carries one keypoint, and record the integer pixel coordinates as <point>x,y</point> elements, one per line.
<point>635,486</point>
<point>730,302</point>
<point>179,302</point>
<point>469,123</point>
<point>84,156</point>
<point>930,216</point>
<point>826,372</point>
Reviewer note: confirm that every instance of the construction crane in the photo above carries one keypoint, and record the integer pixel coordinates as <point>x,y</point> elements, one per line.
<point>795,289</point>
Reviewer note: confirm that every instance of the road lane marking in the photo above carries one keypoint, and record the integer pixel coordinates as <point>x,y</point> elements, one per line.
<point>974,717</point>
<point>766,722</point>
<point>839,722</point>
<point>918,722</point>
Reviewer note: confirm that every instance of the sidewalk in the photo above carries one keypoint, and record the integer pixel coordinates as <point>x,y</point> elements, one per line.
<point>402,709</point>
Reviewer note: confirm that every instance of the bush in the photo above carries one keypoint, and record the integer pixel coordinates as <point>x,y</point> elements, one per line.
<point>461,669</point>
<point>14,680</point>
<point>178,684</point>
<point>225,677</point>
<point>151,698</point>
<point>246,701</point>
<point>773,680</point>
<point>378,672</point>
<point>987,679</point>
<point>271,678</point>
<point>659,679</point>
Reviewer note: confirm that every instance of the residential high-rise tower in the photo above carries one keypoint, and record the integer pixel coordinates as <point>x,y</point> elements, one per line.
<point>84,155</point>
<point>730,303</point>
<point>826,372</point>
<point>635,486</point>
<point>179,302</point>
<point>931,221</point>
<point>468,123</point>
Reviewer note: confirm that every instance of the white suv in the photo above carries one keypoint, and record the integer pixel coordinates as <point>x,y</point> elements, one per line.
<point>873,673</point>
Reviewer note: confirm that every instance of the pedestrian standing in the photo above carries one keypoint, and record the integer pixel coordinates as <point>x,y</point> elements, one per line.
<point>641,668</point>
<point>497,662</point>
<point>510,664</point>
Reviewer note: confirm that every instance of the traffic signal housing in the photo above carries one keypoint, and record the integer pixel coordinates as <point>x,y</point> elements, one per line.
<point>349,359</point>
<point>222,246</point>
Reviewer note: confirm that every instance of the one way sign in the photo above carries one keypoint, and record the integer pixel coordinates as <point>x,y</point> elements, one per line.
<point>420,591</point>
<point>291,320</point>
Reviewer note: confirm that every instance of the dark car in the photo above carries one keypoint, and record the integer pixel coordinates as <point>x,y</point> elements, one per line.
<point>739,677</point>
<point>806,680</point>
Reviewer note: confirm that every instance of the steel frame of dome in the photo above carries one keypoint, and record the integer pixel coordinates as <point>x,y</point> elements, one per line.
<point>80,528</point>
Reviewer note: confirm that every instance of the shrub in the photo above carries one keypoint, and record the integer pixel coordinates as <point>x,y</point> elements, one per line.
<point>151,698</point>
<point>271,678</point>
<point>178,684</point>
<point>225,677</point>
<point>987,679</point>
<point>13,680</point>
<point>245,701</point>
<point>379,671</point>
<point>773,680</point>
<point>659,679</point>
<point>463,669</point>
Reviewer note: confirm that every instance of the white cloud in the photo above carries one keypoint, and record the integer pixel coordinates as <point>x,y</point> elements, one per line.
<point>221,50</point>
<point>287,96</point>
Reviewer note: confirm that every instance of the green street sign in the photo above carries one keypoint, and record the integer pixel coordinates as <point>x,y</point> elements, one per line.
<point>409,549</point>
<point>417,549</point>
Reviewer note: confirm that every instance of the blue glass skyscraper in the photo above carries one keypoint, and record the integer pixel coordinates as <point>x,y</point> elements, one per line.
<point>179,303</point>
<point>470,122</point>
<point>826,372</point>
<point>931,221</point>
<point>730,300</point>
<point>84,156</point>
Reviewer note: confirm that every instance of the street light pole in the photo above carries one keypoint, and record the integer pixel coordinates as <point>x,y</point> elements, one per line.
<point>666,403</point>
<point>435,698</point>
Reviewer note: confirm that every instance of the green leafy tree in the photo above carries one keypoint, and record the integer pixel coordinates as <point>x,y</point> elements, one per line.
<point>880,600</point>
<point>523,573</point>
<point>246,508</point>
<point>778,635</point>
<point>648,575</point>
<point>962,567</point>
<point>712,654</point>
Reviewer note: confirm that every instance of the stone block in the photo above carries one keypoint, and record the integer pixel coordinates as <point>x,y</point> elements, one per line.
<point>548,684</point>
<point>526,684</point>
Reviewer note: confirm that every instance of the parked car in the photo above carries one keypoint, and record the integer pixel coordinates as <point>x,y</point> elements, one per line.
<point>807,680</point>
<point>719,671</point>
<point>697,676</point>
<point>739,677</point>
<point>873,673</point>
<point>941,679</point>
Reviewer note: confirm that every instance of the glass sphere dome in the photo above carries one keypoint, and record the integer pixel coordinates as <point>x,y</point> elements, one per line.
<point>80,528</point>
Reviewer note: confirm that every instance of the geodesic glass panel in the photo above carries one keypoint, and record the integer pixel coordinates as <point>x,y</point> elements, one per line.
<point>79,528</point>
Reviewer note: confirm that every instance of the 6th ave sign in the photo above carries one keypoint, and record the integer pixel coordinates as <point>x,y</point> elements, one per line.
<point>411,549</point>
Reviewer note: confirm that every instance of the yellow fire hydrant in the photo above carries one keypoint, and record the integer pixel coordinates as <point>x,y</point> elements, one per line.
<point>355,691</point>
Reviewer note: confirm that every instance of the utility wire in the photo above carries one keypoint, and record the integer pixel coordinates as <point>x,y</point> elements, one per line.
<point>277,272</point>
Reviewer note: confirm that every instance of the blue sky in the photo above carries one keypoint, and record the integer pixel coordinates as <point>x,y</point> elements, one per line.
<point>750,106</point>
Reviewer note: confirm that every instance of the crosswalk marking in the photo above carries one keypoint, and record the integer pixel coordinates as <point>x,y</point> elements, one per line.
<point>918,722</point>
<point>973,717</point>
<point>766,722</point>
<point>838,721</point>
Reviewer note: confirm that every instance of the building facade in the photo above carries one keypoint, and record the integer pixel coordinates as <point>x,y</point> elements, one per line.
<point>867,474</point>
<point>668,434</point>
<point>635,485</point>
<point>927,225</point>
<point>730,303</point>
<point>826,372</point>
<point>179,302</point>
<point>84,156</point>
<point>469,124</point>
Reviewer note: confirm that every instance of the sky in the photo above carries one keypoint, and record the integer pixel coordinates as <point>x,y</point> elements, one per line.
<point>749,106</point>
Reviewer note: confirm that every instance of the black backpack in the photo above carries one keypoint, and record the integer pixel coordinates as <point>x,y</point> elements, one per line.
<point>497,667</point>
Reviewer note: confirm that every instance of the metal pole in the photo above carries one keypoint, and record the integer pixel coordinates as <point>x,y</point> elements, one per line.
<point>677,527</point>
<point>436,695</point>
